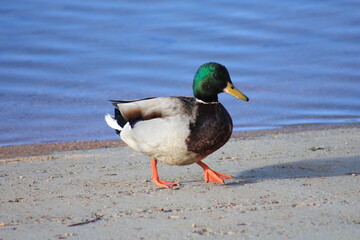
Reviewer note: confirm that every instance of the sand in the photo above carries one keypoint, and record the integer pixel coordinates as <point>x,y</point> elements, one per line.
<point>296,185</point>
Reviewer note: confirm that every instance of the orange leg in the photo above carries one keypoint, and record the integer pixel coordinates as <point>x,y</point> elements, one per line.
<point>157,181</point>
<point>212,176</point>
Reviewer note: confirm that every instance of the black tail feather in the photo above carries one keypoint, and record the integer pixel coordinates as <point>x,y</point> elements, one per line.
<point>120,119</point>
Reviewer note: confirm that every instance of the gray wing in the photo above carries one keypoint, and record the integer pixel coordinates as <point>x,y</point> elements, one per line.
<point>150,108</point>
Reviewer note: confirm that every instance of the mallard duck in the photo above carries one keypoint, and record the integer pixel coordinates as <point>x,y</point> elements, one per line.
<point>179,130</point>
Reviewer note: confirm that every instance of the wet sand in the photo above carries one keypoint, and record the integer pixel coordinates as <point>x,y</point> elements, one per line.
<point>288,184</point>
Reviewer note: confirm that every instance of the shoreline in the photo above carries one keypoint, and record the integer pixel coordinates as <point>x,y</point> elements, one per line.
<point>22,151</point>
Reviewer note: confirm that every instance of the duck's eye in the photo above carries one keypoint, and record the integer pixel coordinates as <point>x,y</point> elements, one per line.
<point>216,75</point>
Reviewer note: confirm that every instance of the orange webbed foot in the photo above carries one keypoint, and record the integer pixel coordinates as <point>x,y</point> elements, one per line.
<point>164,184</point>
<point>215,177</point>
<point>157,181</point>
<point>212,176</point>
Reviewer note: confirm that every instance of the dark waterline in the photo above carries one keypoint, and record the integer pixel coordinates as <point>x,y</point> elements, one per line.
<point>298,62</point>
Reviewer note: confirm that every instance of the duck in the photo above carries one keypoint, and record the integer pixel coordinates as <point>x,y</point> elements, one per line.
<point>179,130</point>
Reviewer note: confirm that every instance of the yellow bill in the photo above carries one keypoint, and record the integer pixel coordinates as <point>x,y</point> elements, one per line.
<point>230,89</point>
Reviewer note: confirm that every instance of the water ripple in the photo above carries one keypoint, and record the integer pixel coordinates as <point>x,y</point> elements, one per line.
<point>60,61</point>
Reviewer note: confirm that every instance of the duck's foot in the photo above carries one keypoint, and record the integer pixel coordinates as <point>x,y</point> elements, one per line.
<point>164,184</point>
<point>211,175</point>
<point>157,181</point>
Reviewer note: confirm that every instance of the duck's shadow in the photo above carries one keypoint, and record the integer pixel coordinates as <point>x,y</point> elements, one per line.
<point>316,168</point>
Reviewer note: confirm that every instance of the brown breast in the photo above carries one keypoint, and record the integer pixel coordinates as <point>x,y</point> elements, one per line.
<point>211,130</point>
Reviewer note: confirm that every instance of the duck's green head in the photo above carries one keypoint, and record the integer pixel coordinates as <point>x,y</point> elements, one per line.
<point>210,80</point>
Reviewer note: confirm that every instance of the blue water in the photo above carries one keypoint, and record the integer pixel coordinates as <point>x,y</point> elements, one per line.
<point>60,61</point>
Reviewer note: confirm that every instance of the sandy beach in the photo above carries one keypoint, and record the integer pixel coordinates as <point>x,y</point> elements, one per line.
<point>287,185</point>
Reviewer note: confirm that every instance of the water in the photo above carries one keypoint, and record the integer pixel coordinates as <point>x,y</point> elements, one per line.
<point>298,61</point>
